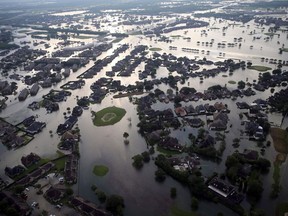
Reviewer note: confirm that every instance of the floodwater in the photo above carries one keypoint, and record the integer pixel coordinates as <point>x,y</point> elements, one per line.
<point>105,145</point>
<point>69,13</point>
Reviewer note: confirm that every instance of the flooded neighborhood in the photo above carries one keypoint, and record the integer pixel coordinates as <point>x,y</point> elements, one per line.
<point>144,108</point>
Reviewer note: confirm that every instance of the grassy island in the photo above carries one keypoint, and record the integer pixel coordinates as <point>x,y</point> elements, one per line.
<point>100,170</point>
<point>280,140</point>
<point>175,36</point>
<point>231,82</point>
<point>155,49</point>
<point>284,49</point>
<point>270,34</point>
<point>259,68</point>
<point>108,116</point>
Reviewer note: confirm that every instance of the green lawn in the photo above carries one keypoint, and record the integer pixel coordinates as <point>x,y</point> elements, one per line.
<point>155,49</point>
<point>117,40</point>
<point>84,37</point>
<point>23,31</point>
<point>281,209</point>
<point>231,82</point>
<point>100,170</point>
<point>175,36</point>
<point>135,33</point>
<point>108,116</point>
<point>59,153</point>
<point>270,34</point>
<point>27,138</point>
<point>259,68</point>
<point>167,152</point>
<point>176,211</point>
<point>60,164</point>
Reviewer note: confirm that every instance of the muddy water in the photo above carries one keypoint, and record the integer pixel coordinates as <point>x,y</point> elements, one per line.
<point>105,145</point>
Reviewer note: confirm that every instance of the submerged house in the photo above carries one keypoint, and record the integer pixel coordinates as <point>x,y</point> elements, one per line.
<point>28,121</point>
<point>23,94</point>
<point>180,111</point>
<point>30,159</point>
<point>66,72</point>
<point>206,142</point>
<point>250,154</point>
<point>170,143</point>
<point>87,208</point>
<point>34,89</point>
<point>35,127</point>
<point>225,191</point>
<point>69,123</point>
<point>195,122</point>
<point>54,194</point>
<point>220,121</point>
<point>14,171</point>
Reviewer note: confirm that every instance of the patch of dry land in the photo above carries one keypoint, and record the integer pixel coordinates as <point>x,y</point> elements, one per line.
<point>108,116</point>
<point>280,141</point>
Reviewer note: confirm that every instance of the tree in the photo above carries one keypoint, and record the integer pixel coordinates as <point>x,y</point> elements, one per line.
<point>11,212</point>
<point>177,100</point>
<point>3,205</point>
<point>201,132</point>
<point>115,204</point>
<point>160,175</point>
<point>241,115</point>
<point>138,161</point>
<point>125,135</point>
<point>277,71</point>
<point>18,189</point>
<point>173,192</point>
<point>93,187</point>
<point>101,196</point>
<point>255,189</point>
<point>257,212</point>
<point>151,150</point>
<point>197,185</point>
<point>146,156</point>
<point>231,161</point>
<point>194,203</point>
<point>232,172</point>
<point>263,164</point>
<point>241,84</point>
<point>266,76</point>
<point>44,213</point>
<point>69,191</point>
